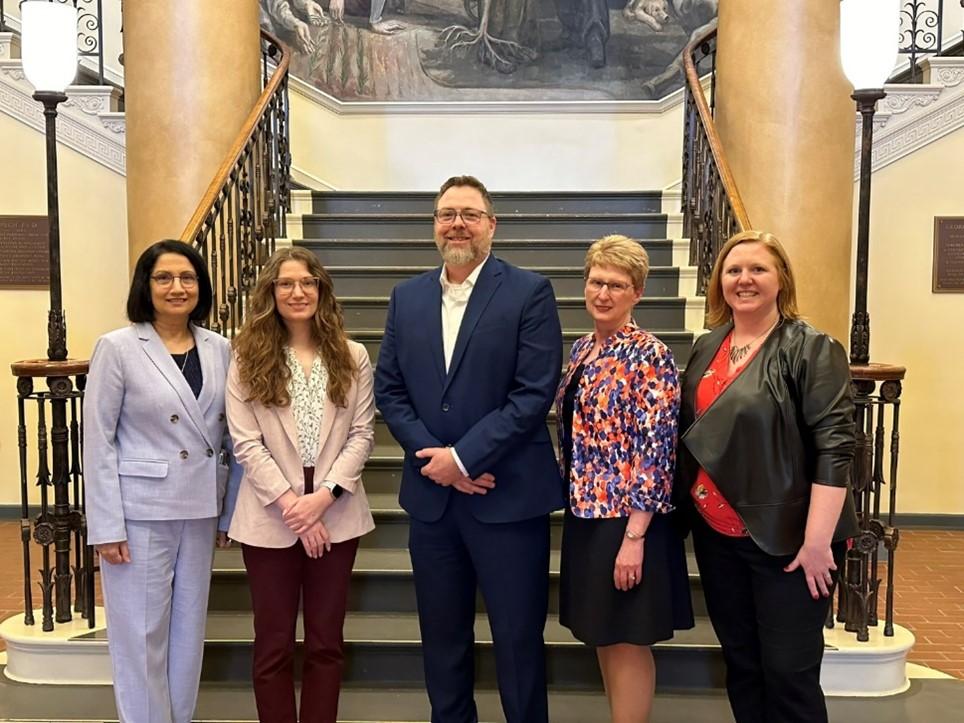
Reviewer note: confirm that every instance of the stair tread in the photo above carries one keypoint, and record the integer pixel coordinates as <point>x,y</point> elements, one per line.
<point>501,242</point>
<point>576,270</point>
<point>504,216</point>
<point>566,333</point>
<point>560,300</point>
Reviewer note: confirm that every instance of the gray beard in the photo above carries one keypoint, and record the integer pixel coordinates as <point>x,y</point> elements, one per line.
<point>460,256</point>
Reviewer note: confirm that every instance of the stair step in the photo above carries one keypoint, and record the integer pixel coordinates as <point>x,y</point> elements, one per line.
<point>652,312</point>
<point>423,202</point>
<point>385,648</point>
<point>511,226</point>
<point>525,252</point>
<point>381,580</point>
<point>566,281</point>
<point>679,342</point>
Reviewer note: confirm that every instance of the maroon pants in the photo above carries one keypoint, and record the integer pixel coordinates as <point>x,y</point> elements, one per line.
<point>278,579</point>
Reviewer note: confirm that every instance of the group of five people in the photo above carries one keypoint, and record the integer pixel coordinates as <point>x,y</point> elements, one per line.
<point>751,449</point>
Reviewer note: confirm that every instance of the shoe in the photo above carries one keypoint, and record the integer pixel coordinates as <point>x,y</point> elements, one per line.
<point>596,48</point>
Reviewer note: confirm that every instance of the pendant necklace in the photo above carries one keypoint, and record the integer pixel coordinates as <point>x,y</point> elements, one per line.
<point>187,355</point>
<point>737,353</point>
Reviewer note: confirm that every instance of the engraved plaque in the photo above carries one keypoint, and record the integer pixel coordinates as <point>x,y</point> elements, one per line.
<point>24,253</point>
<point>948,254</point>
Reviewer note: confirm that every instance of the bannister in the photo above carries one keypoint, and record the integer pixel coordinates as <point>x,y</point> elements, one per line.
<point>712,208</point>
<point>242,213</point>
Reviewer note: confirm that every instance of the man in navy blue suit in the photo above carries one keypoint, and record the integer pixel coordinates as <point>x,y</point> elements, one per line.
<point>466,374</point>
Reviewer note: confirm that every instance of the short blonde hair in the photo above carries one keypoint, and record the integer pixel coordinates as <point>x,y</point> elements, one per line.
<point>621,253</point>
<point>718,312</point>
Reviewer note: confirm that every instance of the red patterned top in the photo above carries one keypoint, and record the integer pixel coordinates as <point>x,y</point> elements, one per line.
<point>713,507</point>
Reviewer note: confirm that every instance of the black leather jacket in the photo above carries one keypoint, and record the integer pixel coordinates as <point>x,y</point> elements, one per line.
<point>785,423</point>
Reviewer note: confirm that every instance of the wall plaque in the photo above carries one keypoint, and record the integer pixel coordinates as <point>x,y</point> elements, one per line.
<point>948,255</point>
<point>24,254</point>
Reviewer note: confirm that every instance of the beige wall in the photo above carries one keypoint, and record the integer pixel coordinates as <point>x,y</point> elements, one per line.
<point>94,266</point>
<point>915,328</point>
<point>531,151</point>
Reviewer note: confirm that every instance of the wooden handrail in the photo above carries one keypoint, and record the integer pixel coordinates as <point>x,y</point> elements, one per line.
<point>713,210</point>
<point>709,126</point>
<point>241,140</point>
<point>243,212</point>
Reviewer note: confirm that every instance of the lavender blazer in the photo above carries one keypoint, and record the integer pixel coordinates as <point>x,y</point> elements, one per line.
<point>151,450</point>
<point>266,445</point>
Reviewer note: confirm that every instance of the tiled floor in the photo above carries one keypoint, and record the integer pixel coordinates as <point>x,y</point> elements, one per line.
<point>929,591</point>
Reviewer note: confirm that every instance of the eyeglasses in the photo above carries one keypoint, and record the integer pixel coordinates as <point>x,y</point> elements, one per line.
<point>308,284</point>
<point>469,216</point>
<point>165,279</point>
<point>615,287</point>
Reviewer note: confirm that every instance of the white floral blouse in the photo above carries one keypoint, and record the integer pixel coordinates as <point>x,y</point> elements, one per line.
<point>308,404</point>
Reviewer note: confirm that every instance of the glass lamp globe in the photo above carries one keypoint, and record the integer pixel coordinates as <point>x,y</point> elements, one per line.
<point>49,44</point>
<point>869,33</point>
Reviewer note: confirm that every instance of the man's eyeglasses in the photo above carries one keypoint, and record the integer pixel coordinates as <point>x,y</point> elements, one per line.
<point>469,215</point>
<point>165,279</point>
<point>308,284</point>
<point>615,287</point>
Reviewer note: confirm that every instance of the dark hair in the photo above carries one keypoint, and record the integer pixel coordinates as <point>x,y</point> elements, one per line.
<point>471,182</point>
<point>139,304</point>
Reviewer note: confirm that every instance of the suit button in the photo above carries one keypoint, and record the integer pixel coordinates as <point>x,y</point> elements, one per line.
<point>445,407</point>
<point>174,418</point>
<point>183,454</point>
<point>221,417</point>
<point>209,452</point>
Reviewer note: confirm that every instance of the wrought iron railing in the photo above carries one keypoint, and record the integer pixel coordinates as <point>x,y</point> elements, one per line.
<point>242,214</point>
<point>712,208</point>
<point>922,34</point>
<point>53,515</point>
<point>874,470</point>
<point>712,212</point>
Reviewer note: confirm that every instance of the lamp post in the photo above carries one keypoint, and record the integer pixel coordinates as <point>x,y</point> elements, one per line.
<point>868,49</point>
<point>49,51</point>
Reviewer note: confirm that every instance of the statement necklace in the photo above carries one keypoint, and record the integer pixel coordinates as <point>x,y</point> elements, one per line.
<point>737,353</point>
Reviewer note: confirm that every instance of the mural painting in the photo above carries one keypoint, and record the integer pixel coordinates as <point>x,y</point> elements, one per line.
<point>489,50</point>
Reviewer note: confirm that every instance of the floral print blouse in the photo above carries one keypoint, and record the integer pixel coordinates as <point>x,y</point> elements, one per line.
<point>308,404</point>
<point>624,425</point>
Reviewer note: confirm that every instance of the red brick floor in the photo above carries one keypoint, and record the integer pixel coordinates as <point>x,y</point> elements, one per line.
<point>928,597</point>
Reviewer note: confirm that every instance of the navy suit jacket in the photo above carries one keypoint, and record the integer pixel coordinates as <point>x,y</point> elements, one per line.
<point>491,406</point>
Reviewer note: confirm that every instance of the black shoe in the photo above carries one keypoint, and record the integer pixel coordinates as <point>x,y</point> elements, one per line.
<point>596,48</point>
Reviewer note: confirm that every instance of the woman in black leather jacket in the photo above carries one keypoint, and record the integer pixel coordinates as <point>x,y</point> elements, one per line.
<point>764,468</point>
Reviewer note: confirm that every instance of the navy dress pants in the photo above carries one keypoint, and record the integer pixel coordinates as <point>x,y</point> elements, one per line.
<point>509,562</point>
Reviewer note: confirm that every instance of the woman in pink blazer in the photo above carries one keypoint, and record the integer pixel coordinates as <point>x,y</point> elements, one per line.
<point>301,412</point>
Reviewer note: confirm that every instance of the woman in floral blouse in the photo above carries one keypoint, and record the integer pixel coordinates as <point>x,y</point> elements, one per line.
<point>301,411</point>
<point>624,583</point>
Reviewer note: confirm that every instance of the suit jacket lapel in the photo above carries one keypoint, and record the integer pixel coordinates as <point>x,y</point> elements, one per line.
<point>206,354</point>
<point>289,425</point>
<point>161,358</point>
<point>433,317</point>
<point>327,420</point>
<point>490,278</point>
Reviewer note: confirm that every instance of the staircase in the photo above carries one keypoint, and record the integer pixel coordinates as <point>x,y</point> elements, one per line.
<point>369,242</point>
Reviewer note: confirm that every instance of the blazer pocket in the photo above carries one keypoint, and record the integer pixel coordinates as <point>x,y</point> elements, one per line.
<point>154,468</point>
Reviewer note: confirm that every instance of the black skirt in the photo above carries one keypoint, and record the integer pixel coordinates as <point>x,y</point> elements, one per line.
<point>599,614</point>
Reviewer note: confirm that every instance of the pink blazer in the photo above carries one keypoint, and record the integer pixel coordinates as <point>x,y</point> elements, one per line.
<point>266,445</point>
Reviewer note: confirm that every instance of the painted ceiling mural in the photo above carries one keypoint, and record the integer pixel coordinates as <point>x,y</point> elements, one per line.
<point>485,50</point>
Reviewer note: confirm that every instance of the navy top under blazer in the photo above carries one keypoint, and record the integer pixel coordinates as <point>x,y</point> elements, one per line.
<point>152,451</point>
<point>491,405</point>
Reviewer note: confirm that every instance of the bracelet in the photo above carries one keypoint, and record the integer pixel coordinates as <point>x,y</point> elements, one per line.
<point>630,535</point>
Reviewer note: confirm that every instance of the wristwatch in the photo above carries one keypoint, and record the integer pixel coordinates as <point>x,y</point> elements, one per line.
<point>333,488</point>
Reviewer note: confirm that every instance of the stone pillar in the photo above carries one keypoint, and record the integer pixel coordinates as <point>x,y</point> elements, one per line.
<point>192,75</point>
<point>787,123</point>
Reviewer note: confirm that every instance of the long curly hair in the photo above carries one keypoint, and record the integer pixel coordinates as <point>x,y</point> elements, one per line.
<point>259,345</point>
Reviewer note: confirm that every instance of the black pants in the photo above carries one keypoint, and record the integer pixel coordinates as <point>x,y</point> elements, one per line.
<point>770,629</point>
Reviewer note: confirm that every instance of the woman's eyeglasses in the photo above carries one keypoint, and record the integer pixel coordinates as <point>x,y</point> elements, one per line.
<point>615,287</point>
<point>309,284</point>
<point>164,279</point>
